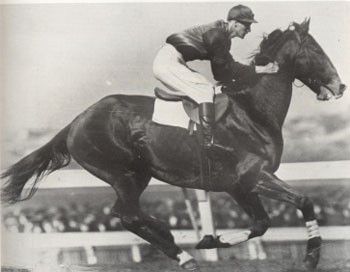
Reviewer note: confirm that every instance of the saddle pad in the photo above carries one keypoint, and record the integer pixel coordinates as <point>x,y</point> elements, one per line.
<point>170,113</point>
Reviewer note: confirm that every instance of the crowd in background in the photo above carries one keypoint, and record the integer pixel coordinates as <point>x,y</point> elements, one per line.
<point>331,209</point>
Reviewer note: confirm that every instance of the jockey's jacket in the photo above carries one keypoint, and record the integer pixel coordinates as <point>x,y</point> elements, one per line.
<point>212,42</point>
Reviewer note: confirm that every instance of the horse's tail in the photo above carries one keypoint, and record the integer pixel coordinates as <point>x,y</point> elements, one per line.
<point>43,161</point>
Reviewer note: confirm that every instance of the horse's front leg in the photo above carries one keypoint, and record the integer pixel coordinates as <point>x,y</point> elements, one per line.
<point>246,178</point>
<point>252,205</point>
<point>272,187</point>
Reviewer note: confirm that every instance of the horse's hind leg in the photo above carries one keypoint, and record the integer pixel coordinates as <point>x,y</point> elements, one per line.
<point>150,229</point>
<point>128,186</point>
<point>115,163</point>
<point>272,187</point>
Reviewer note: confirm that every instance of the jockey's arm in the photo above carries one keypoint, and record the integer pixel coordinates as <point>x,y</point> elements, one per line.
<point>224,67</point>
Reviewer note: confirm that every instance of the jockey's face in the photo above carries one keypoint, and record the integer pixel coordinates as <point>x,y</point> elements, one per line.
<point>238,29</point>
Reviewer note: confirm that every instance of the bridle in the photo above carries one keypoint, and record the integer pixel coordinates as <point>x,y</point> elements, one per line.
<point>312,83</point>
<point>292,27</point>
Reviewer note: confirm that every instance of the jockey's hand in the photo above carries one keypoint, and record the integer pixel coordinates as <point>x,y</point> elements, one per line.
<point>269,68</point>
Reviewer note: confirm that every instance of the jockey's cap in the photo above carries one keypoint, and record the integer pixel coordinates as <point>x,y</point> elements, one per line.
<point>241,13</point>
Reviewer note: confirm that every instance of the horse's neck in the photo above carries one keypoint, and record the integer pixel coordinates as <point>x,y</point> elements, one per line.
<point>270,99</point>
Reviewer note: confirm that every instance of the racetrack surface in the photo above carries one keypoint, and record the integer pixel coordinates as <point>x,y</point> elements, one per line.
<point>221,266</point>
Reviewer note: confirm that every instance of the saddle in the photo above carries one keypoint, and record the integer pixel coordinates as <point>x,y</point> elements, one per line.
<point>221,102</point>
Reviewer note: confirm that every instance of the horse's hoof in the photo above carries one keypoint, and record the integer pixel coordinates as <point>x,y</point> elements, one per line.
<point>313,252</point>
<point>191,265</point>
<point>209,241</point>
<point>311,258</point>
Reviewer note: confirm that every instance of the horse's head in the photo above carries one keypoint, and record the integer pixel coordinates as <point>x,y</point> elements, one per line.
<point>298,52</point>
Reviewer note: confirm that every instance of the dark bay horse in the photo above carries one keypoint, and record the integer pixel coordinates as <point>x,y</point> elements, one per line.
<point>116,141</point>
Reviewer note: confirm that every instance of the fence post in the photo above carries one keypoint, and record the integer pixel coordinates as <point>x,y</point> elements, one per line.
<point>90,255</point>
<point>136,253</point>
<point>206,215</point>
<point>190,212</point>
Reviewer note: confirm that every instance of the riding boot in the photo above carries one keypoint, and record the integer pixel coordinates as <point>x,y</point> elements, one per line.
<point>207,119</point>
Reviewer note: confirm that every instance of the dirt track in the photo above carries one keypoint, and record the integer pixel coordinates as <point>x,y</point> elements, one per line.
<point>221,266</point>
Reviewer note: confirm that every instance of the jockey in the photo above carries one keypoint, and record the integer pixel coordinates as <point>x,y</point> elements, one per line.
<point>206,42</point>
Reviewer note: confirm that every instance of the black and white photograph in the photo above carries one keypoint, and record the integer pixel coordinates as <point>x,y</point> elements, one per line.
<point>175,136</point>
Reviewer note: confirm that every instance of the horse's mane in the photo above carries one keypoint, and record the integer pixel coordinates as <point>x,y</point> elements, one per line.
<point>271,43</point>
<point>268,48</point>
<point>261,56</point>
<point>266,52</point>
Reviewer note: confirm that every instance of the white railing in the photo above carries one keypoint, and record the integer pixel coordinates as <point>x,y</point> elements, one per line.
<point>311,171</point>
<point>292,172</point>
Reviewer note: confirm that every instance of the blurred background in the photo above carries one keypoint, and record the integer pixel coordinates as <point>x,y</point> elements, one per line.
<point>72,211</point>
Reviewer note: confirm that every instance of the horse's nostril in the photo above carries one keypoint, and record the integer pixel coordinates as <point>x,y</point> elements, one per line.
<point>342,88</point>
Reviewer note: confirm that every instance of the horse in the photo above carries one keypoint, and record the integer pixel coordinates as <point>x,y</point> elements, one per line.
<point>116,141</point>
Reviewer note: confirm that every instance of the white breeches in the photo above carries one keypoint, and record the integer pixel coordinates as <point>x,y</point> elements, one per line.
<point>170,68</point>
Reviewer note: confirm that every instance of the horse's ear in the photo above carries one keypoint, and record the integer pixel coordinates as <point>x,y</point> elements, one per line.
<point>304,26</point>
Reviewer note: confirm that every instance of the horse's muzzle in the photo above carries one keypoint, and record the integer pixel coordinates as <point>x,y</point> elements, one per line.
<point>342,88</point>
<point>332,90</point>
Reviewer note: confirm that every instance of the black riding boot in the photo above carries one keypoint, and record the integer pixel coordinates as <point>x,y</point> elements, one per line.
<point>207,119</point>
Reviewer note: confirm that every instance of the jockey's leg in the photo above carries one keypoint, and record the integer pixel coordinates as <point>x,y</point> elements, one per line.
<point>170,68</point>
<point>272,187</point>
<point>207,120</point>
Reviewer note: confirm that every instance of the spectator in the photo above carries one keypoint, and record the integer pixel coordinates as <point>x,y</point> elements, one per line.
<point>332,207</point>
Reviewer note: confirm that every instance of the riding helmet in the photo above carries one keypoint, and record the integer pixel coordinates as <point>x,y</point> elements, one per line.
<point>241,13</point>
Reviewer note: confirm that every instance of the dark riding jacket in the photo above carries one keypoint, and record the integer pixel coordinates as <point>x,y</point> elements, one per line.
<point>212,42</point>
